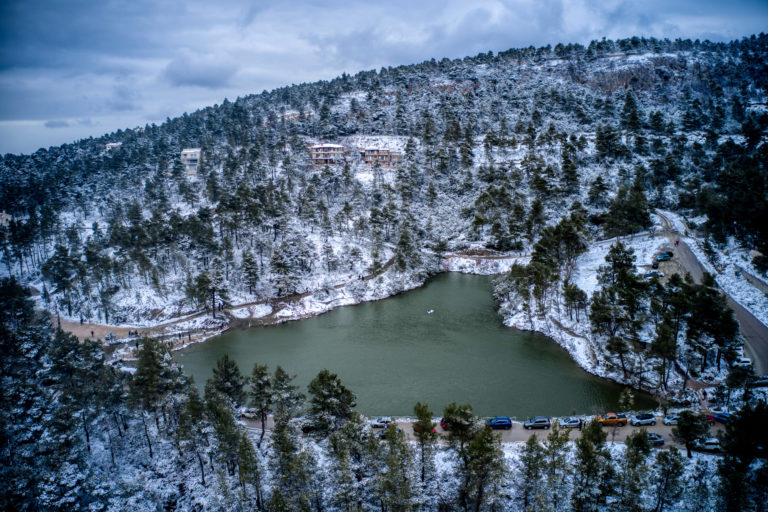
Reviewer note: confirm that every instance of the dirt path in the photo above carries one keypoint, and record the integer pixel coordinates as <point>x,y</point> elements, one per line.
<point>754,332</point>
<point>577,335</point>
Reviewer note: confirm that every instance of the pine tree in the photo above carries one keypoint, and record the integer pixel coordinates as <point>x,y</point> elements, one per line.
<point>331,403</point>
<point>632,474</point>
<point>530,474</point>
<point>426,440</point>
<point>669,469</point>
<point>485,470</point>
<point>462,428</point>
<point>556,469</point>
<point>261,395</point>
<point>629,115</point>
<point>396,481</point>
<point>593,471</point>
<point>250,270</point>
<point>406,255</point>
<point>189,432</point>
<point>249,472</point>
<point>228,380</point>
<point>286,397</point>
<point>225,427</point>
<point>690,429</point>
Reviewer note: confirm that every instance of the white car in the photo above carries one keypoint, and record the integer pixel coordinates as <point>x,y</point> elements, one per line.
<point>742,362</point>
<point>671,419</point>
<point>382,422</point>
<point>711,445</point>
<point>643,419</point>
<point>570,422</point>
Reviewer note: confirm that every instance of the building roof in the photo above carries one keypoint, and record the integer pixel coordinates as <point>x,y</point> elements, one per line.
<point>319,146</point>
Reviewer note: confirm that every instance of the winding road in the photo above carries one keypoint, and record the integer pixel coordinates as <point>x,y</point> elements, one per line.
<point>754,332</point>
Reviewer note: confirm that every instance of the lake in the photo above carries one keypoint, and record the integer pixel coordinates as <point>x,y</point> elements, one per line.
<point>393,353</point>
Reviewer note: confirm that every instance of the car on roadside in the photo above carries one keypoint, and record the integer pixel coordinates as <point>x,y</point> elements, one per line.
<point>711,445</point>
<point>742,362</point>
<point>611,418</point>
<point>655,439</point>
<point>417,428</point>
<point>663,257</point>
<point>671,419</point>
<point>708,418</point>
<point>499,423</point>
<point>723,417</point>
<point>382,434</point>
<point>382,422</point>
<point>537,422</point>
<point>655,264</point>
<point>570,422</point>
<point>653,273</point>
<point>642,419</point>
<point>110,336</point>
<point>444,424</point>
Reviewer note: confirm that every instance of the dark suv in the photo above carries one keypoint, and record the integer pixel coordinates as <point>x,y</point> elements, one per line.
<point>538,422</point>
<point>500,422</point>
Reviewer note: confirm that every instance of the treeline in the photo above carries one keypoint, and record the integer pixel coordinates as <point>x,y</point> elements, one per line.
<point>491,158</point>
<point>79,434</point>
<point>690,326</point>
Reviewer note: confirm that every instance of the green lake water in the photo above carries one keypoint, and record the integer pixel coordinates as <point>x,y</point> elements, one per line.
<point>392,353</point>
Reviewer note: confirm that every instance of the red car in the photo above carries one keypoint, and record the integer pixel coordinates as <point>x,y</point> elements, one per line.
<point>444,424</point>
<point>417,428</point>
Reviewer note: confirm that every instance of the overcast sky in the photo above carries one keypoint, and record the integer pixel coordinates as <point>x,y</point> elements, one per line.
<point>74,68</point>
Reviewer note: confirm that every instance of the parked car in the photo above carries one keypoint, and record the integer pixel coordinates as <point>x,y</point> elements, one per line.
<point>611,418</point>
<point>643,419</point>
<point>444,424</point>
<point>110,336</point>
<point>709,418</point>
<point>742,362</point>
<point>711,445</point>
<point>538,422</point>
<point>655,264</point>
<point>500,422</point>
<point>570,422</point>
<point>382,422</point>
<point>669,253</point>
<point>663,257</point>
<point>671,419</point>
<point>382,434</point>
<point>655,439</point>
<point>723,417</point>
<point>418,429</point>
<point>653,273</point>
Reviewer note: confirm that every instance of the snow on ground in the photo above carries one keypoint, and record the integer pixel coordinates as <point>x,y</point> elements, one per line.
<point>470,265</point>
<point>256,311</point>
<point>390,142</point>
<point>733,262</point>
<point>644,245</point>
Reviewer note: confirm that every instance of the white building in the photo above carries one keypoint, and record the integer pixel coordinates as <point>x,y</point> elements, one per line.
<point>326,154</point>
<point>191,159</point>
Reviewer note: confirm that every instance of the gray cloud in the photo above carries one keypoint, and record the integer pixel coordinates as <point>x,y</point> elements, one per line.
<point>123,64</point>
<point>208,71</point>
<point>56,124</point>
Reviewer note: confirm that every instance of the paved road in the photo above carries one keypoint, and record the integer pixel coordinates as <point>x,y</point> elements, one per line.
<point>519,435</point>
<point>618,434</point>
<point>754,332</point>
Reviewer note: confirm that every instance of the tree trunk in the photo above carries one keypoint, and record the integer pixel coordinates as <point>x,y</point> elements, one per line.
<point>202,466</point>
<point>87,434</point>
<point>146,433</point>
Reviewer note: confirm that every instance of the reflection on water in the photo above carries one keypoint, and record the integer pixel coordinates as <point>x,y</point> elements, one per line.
<point>393,353</point>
